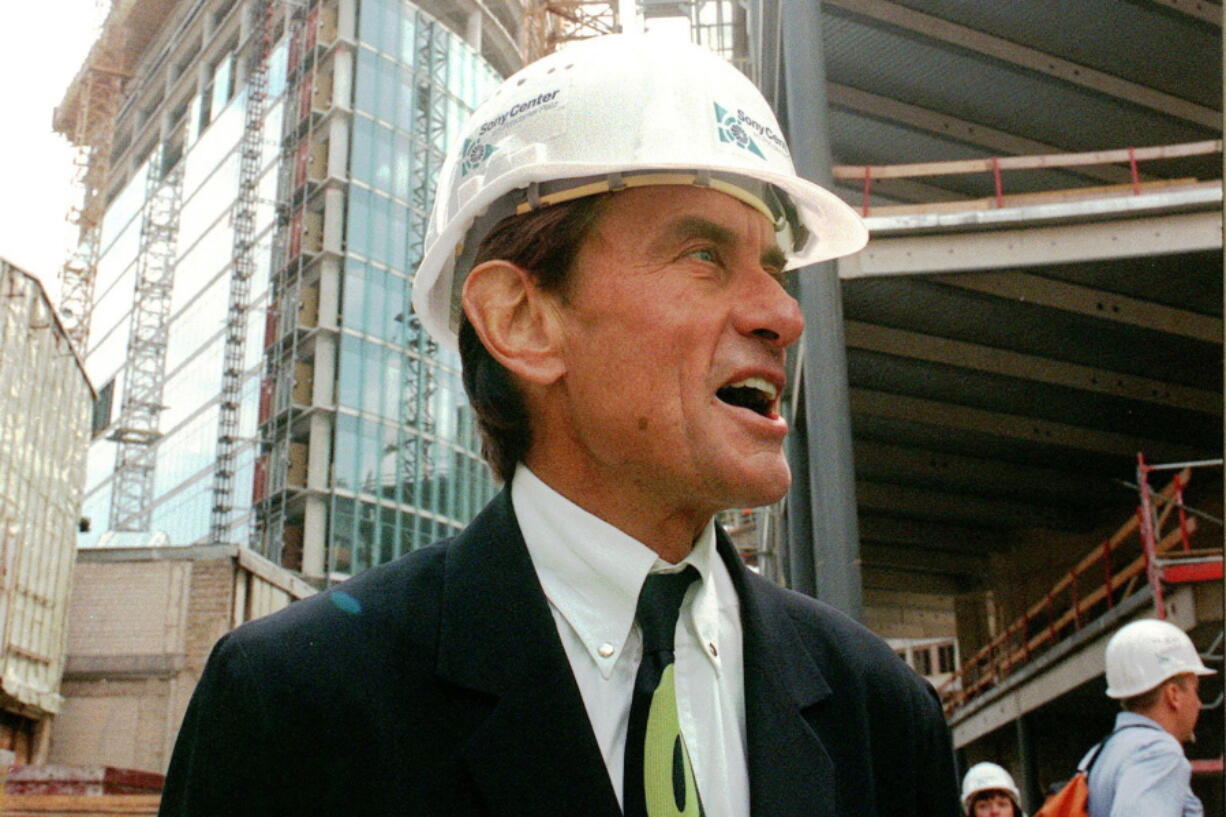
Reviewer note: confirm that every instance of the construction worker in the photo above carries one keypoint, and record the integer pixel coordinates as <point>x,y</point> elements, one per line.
<point>1154,671</point>
<point>989,791</point>
<point>607,253</point>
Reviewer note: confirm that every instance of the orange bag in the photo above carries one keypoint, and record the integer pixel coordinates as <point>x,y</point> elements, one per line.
<point>1071,801</point>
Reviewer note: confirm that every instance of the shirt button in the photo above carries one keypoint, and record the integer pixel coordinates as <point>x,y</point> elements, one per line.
<point>711,647</point>
<point>605,650</point>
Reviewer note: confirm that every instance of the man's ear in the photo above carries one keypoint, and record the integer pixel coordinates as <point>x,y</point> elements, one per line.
<point>1173,692</point>
<point>514,319</point>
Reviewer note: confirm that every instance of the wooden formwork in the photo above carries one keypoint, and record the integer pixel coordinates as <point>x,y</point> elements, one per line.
<point>78,805</point>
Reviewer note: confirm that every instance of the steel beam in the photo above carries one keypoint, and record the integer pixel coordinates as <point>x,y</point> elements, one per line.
<point>1037,245</point>
<point>1095,303</point>
<point>1205,12</point>
<point>955,506</point>
<point>917,346</point>
<point>967,418</point>
<point>905,581</point>
<point>972,133</point>
<point>882,529</point>
<point>895,463</point>
<point>924,561</point>
<point>964,37</point>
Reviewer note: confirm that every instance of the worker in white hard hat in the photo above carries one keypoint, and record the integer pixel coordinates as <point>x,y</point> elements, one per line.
<point>989,791</point>
<point>1154,671</point>
<point>608,252</point>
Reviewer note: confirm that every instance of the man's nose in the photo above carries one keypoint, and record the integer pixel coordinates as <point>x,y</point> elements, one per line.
<point>766,310</point>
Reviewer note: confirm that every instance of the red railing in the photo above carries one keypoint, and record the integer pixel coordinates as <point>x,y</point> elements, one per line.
<point>867,174</point>
<point>1069,604</point>
<point>1185,566</point>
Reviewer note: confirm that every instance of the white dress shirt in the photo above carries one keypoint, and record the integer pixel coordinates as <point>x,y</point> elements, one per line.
<point>591,573</point>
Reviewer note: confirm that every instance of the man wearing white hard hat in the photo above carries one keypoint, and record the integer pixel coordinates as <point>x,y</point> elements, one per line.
<point>607,252</point>
<point>988,790</point>
<point>1153,670</point>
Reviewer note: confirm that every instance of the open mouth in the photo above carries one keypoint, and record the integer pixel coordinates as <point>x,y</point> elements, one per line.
<point>754,393</point>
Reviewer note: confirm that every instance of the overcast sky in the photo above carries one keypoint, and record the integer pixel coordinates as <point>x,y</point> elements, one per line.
<point>42,44</point>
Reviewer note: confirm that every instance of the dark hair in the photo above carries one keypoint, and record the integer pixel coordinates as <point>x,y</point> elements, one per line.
<point>985,794</point>
<point>545,242</point>
<point>1148,699</point>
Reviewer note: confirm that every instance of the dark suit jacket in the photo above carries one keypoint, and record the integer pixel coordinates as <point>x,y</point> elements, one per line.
<point>437,685</point>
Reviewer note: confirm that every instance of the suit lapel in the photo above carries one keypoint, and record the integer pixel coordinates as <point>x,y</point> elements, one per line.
<point>790,772</point>
<point>533,752</point>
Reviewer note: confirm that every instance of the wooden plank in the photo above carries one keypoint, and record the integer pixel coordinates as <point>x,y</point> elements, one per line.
<point>1048,161</point>
<point>41,805</point>
<point>1044,197</point>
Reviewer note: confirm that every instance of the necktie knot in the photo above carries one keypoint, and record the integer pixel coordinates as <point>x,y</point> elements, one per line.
<point>659,605</point>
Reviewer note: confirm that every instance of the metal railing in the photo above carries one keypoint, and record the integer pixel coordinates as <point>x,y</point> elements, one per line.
<point>1105,576</point>
<point>996,166</point>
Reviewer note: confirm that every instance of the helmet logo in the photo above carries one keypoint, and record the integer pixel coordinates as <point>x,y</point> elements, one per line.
<point>731,130</point>
<point>474,152</point>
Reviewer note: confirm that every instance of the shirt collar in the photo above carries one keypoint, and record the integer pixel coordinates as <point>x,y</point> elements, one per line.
<point>1127,718</point>
<point>592,572</point>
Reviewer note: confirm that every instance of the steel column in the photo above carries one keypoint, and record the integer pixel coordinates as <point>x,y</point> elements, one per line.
<point>1027,779</point>
<point>826,526</point>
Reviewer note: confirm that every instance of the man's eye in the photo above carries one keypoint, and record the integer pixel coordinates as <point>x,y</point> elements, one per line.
<point>704,254</point>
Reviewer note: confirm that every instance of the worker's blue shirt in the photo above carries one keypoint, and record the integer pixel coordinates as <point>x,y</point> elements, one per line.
<point>1141,772</point>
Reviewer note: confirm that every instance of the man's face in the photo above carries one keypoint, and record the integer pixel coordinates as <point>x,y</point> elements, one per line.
<point>993,804</point>
<point>1187,706</point>
<point>675,324</point>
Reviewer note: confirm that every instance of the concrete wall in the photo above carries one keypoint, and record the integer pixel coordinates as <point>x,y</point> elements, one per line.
<point>899,614</point>
<point>141,625</point>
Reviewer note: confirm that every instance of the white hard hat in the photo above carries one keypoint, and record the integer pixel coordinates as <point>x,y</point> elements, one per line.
<point>1145,653</point>
<point>988,777</point>
<point>611,112</point>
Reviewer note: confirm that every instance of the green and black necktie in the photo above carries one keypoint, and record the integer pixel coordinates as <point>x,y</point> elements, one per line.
<point>659,781</point>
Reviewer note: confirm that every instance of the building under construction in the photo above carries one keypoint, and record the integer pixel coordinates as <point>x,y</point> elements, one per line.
<point>257,178</point>
<point>1007,412</point>
<point>42,464</point>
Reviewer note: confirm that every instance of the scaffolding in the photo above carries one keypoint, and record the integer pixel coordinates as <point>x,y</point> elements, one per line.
<point>87,116</point>
<point>418,378</point>
<point>89,124</point>
<point>243,268</point>
<point>550,23</point>
<point>137,431</point>
<point>287,381</point>
<point>1143,551</point>
<point>1166,566</point>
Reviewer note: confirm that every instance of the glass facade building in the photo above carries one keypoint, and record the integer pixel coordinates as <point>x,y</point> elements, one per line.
<point>405,469</point>
<point>290,365</point>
